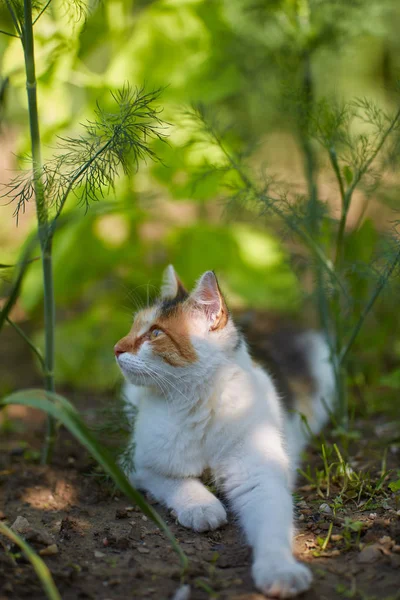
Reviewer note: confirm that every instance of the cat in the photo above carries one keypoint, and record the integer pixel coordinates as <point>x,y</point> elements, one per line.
<point>205,405</point>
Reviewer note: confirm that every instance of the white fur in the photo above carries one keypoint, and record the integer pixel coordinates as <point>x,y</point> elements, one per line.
<point>223,413</point>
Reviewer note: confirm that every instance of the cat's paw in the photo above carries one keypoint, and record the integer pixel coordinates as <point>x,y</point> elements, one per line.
<point>203,517</point>
<point>281,579</point>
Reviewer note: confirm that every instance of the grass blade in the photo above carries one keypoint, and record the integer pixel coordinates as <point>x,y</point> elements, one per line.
<point>61,409</point>
<point>37,563</point>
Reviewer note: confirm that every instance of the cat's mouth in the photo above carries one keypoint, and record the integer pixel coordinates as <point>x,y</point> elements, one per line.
<point>134,369</point>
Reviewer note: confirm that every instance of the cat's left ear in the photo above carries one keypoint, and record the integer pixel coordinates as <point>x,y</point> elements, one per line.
<point>208,297</point>
<point>172,287</point>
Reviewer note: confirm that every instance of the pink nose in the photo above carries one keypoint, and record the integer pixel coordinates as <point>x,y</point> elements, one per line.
<point>118,350</point>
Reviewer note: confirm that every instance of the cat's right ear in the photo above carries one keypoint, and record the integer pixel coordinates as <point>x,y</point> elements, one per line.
<point>172,287</point>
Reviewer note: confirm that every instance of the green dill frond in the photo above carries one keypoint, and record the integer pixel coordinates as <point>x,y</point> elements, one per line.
<point>87,165</point>
<point>20,190</point>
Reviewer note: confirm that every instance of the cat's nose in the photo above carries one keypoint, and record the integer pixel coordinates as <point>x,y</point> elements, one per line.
<point>118,349</point>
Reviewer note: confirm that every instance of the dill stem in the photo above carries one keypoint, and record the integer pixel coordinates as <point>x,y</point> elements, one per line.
<point>27,339</point>
<point>374,296</point>
<point>45,235</point>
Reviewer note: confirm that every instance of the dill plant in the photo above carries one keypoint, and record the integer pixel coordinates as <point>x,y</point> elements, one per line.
<point>85,166</point>
<point>357,142</point>
<point>358,159</point>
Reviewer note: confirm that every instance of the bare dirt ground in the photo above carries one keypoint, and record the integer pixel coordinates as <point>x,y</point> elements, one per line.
<point>349,534</point>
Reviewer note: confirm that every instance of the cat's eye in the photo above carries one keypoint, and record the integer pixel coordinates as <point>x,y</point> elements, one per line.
<point>154,333</point>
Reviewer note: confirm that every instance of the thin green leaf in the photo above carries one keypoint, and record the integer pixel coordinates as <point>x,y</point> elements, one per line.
<point>59,408</point>
<point>395,486</point>
<point>37,563</point>
<point>16,286</point>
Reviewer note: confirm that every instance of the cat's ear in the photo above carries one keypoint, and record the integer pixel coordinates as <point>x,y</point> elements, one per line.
<point>172,287</point>
<point>208,297</point>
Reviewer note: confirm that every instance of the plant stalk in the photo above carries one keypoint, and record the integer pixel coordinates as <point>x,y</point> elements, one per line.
<point>374,296</point>
<point>45,235</point>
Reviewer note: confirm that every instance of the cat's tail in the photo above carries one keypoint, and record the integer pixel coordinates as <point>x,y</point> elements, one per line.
<point>321,401</point>
<point>312,409</point>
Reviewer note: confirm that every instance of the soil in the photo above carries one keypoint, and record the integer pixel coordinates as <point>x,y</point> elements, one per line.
<point>106,549</point>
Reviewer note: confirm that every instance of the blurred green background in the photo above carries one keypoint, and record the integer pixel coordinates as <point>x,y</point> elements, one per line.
<point>244,60</point>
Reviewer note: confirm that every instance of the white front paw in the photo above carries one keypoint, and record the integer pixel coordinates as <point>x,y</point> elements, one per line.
<point>203,517</point>
<point>281,579</point>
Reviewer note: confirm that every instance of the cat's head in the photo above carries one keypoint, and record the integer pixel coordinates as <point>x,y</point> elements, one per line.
<point>181,339</point>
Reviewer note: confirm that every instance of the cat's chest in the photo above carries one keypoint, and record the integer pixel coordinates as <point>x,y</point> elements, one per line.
<point>175,444</point>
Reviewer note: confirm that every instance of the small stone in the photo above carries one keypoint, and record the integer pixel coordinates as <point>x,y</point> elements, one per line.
<point>24,528</point>
<point>386,540</point>
<point>336,537</point>
<point>301,518</point>
<point>143,550</point>
<point>182,593</point>
<point>325,508</point>
<point>144,518</point>
<point>21,525</point>
<point>335,553</point>
<point>49,551</point>
<point>121,513</point>
<point>98,554</point>
<point>369,554</point>
<point>372,516</point>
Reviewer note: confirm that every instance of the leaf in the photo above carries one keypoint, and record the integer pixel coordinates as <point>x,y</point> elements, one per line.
<point>395,486</point>
<point>348,174</point>
<point>37,563</point>
<point>61,409</point>
<point>23,265</point>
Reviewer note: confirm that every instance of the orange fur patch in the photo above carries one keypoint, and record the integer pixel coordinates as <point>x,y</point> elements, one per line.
<point>174,346</point>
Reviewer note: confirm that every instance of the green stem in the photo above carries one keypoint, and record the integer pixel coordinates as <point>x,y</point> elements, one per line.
<point>41,12</point>
<point>9,33</point>
<point>374,296</point>
<point>14,19</point>
<point>345,201</point>
<point>27,339</point>
<point>45,236</point>
<point>340,375</point>
<point>310,168</point>
<point>74,179</point>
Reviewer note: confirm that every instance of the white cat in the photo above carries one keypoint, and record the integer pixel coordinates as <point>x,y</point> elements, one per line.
<point>203,404</point>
